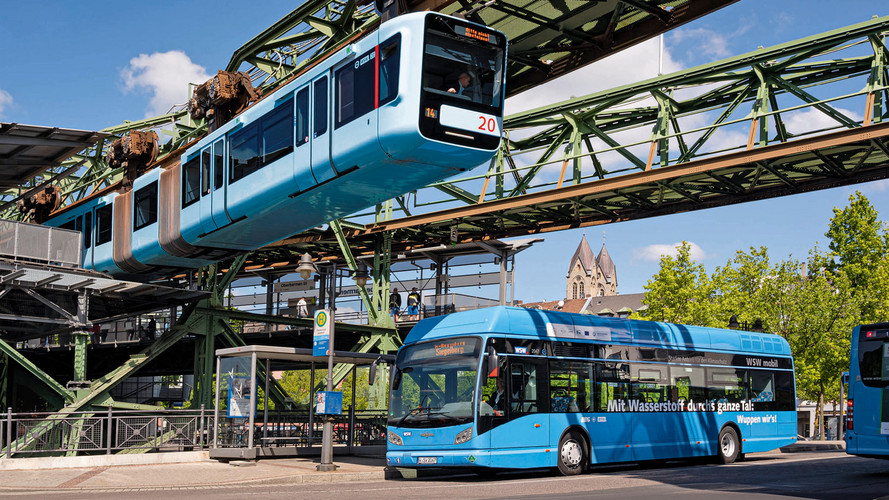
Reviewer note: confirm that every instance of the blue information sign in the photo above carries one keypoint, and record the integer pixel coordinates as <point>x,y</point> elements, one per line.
<point>321,340</point>
<point>328,403</point>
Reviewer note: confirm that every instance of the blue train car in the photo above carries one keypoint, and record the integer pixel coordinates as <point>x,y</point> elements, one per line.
<point>507,387</point>
<point>416,101</point>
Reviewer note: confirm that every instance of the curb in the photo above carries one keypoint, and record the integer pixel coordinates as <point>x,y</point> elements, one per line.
<point>806,446</point>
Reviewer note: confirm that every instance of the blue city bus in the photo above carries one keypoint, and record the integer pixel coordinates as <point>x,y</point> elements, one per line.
<point>867,409</point>
<point>577,390</point>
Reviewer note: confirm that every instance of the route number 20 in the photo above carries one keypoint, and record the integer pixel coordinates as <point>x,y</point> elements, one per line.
<point>488,124</point>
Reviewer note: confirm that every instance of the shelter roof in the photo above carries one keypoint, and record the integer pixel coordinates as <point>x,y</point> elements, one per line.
<point>26,151</point>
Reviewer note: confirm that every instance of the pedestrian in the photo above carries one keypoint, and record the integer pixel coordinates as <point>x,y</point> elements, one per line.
<point>413,305</point>
<point>394,304</point>
<point>302,310</point>
<point>152,329</point>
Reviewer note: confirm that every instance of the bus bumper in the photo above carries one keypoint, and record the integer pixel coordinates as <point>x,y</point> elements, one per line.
<point>439,458</point>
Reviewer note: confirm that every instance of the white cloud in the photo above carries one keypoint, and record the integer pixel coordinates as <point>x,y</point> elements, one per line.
<point>165,75</point>
<point>654,252</point>
<point>632,65</point>
<point>5,100</point>
<point>708,42</point>
<point>803,121</point>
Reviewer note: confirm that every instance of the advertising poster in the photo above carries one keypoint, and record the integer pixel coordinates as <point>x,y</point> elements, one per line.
<point>238,386</point>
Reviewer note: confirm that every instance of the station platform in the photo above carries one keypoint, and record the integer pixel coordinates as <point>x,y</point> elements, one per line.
<point>195,470</point>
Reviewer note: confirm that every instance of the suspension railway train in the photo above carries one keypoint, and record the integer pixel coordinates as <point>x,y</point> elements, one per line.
<point>380,117</point>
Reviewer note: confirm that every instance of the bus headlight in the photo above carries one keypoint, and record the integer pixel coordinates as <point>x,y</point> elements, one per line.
<point>465,435</point>
<point>395,438</point>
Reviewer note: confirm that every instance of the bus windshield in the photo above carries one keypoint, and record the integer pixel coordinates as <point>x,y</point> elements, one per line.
<point>433,383</point>
<point>462,64</point>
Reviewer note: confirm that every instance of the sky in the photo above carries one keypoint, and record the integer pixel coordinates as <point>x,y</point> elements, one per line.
<point>91,65</point>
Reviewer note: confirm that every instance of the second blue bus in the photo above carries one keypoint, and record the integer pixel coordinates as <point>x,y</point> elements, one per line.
<point>515,388</point>
<point>867,409</point>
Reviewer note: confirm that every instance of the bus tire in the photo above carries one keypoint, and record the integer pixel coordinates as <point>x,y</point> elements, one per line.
<point>728,445</point>
<point>572,457</point>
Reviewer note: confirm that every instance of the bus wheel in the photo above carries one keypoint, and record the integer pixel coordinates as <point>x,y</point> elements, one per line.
<point>572,458</point>
<point>729,445</point>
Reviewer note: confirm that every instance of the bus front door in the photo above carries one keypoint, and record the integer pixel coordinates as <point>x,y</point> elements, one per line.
<point>522,440</point>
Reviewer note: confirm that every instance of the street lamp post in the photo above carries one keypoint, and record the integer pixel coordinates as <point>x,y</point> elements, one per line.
<point>327,464</point>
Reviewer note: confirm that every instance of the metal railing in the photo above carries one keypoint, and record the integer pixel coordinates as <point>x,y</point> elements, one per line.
<point>300,428</point>
<point>436,305</point>
<point>32,242</point>
<point>114,431</point>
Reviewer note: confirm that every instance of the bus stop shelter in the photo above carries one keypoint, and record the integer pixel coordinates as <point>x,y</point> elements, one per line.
<point>237,379</point>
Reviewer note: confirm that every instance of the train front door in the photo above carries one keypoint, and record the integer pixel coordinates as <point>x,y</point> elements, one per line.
<point>208,225</point>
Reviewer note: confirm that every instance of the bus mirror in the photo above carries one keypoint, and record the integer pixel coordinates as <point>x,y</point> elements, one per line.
<point>372,372</point>
<point>493,363</point>
<point>396,379</point>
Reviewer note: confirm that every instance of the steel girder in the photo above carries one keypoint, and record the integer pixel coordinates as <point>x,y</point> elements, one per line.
<point>713,135</point>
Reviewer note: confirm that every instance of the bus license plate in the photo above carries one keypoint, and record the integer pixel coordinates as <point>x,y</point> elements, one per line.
<point>472,121</point>
<point>427,460</point>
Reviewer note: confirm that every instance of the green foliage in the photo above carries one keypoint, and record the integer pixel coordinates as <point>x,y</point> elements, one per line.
<point>814,305</point>
<point>681,291</point>
<point>859,243</point>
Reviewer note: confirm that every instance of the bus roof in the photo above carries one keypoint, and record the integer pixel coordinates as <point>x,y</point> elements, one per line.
<point>557,325</point>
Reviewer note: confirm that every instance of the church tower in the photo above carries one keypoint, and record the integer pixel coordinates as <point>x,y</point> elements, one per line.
<point>589,275</point>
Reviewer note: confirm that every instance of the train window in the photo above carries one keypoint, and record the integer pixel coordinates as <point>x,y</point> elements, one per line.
<point>320,106</point>
<point>244,152</point>
<point>191,182</point>
<point>302,117</point>
<point>355,89</point>
<point>145,206</point>
<point>205,171</point>
<point>389,69</point>
<point>462,68</point>
<point>87,229</point>
<point>277,133</point>
<point>103,224</point>
<point>71,224</point>
<point>218,164</point>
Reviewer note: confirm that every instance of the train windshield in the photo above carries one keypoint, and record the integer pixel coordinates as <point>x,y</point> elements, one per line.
<point>433,383</point>
<point>463,63</point>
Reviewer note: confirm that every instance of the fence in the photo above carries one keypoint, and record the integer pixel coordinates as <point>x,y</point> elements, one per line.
<point>300,428</point>
<point>32,242</point>
<point>133,431</point>
<point>121,431</point>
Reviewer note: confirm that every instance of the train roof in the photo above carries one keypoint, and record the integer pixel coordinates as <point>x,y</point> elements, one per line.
<point>557,325</point>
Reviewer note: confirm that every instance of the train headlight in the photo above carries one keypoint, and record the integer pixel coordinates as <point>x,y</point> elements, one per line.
<point>395,439</point>
<point>465,435</point>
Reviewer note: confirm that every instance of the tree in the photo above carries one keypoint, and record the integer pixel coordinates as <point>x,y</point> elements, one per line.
<point>738,286</point>
<point>680,292</point>
<point>815,313</point>
<point>859,243</point>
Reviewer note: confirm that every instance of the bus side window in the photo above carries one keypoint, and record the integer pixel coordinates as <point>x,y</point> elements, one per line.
<point>389,61</point>
<point>527,387</point>
<point>567,385</point>
<point>612,386</point>
<point>687,383</point>
<point>726,385</point>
